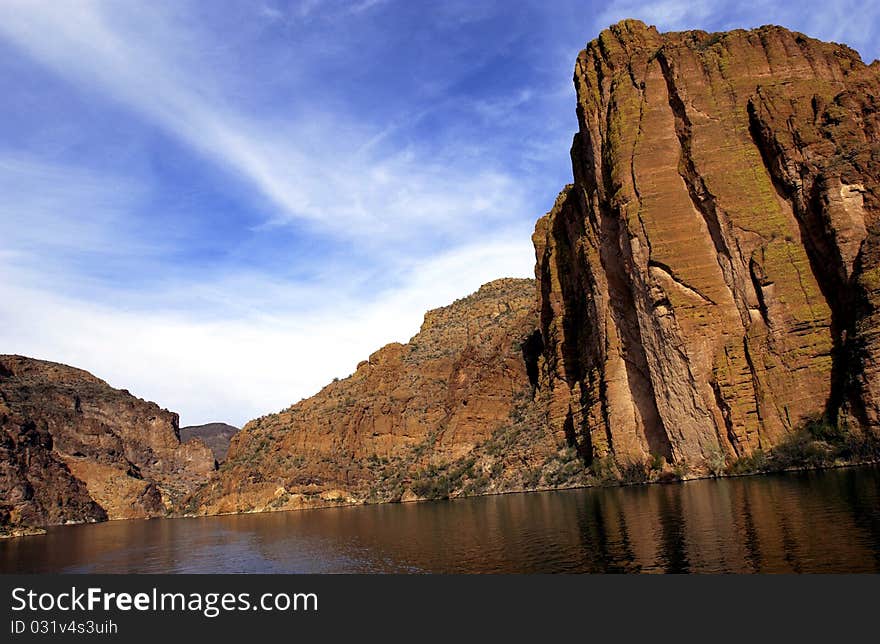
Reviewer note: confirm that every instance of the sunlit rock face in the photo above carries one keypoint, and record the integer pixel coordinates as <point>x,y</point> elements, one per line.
<point>706,285</point>
<point>73,449</point>
<point>710,279</point>
<point>454,411</point>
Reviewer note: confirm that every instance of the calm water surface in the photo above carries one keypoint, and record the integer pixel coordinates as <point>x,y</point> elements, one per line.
<point>805,522</point>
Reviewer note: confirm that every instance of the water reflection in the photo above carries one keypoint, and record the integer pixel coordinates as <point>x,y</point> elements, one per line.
<point>807,522</point>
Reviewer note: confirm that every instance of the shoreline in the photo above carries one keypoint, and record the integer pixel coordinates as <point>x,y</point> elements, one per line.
<point>33,531</point>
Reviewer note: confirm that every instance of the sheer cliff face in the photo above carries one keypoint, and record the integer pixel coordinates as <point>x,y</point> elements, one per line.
<point>74,449</point>
<point>411,420</point>
<point>710,280</point>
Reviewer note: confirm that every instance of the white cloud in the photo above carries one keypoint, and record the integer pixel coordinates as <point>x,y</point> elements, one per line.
<point>237,343</point>
<point>235,369</point>
<point>49,209</point>
<point>319,168</point>
<point>846,21</point>
<point>230,346</point>
<point>365,5</point>
<point>271,13</point>
<point>666,14</point>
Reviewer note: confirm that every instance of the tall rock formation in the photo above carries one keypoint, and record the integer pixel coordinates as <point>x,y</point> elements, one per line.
<point>73,449</point>
<point>710,280</point>
<point>449,413</point>
<point>706,288</point>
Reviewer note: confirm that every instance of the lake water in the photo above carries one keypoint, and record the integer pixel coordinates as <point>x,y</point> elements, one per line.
<point>804,522</point>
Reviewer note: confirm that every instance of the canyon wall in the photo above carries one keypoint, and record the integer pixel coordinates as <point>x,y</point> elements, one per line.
<point>73,449</point>
<point>709,282</point>
<point>454,411</point>
<point>707,293</point>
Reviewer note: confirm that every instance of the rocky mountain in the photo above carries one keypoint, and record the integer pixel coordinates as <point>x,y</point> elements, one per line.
<point>709,283</point>
<point>706,299</point>
<point>73,449</point>
<point>450,412</point>
<point>215,435</point>
<point>706,302</point>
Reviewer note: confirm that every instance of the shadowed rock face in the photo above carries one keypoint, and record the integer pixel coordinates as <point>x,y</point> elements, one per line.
<point>214,435</point>
<point>710,280</point>
<point>74,449</point>
<point>419,419</point>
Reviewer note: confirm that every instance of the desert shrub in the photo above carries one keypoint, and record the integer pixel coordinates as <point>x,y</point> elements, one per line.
<point>682,469</point>
<point>757,461</point>
<point>476,485</point>
<point>279,501</point>
<point>604,470</point>
<point>712,39</point>
<point>568,454</point>
<point>802,450</point>
<point>569,473</point>
<point>494,448</point>
<point>634,472</point>
<point>532,477</point>
<point>517,415</point>
<point>861,447</point>
<point>657,463</point>
<point>716,461</point>
<point>820,428</point>
<point>432,487</point>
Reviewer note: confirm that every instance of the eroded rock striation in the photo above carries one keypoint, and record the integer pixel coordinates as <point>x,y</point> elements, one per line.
<point>706,288</point>
<point>709,282</point>
<point>73,449</point>
<point>450,412</point>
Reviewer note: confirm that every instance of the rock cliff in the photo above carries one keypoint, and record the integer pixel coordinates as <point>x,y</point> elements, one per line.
<point>706,301</point>
<point>706,297</point>
<point>709,282</point>
<point>73,449</point>
<point>215,435</point>
<point>451,412</point>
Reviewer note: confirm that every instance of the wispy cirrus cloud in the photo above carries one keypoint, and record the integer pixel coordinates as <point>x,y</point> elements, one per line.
<point>250,361</point>
<point>847,21</point>
<point>36,202</point>
<point>317,168</point>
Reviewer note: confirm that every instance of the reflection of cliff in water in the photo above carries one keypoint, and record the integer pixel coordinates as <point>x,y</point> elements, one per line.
<point>789,523</point>
<point>806,522</point>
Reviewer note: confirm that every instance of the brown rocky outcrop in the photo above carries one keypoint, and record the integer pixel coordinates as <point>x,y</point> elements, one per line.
<point>707,287</point>
<point>73,449</point>
<point>451,412</point>
<point>215,435</point>
<point>709,282</point>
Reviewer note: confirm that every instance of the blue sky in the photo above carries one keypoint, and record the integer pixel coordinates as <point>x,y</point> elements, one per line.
<point>222,206</point>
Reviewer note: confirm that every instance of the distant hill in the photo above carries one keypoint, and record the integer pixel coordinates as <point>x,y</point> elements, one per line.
<point>214,435</point>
